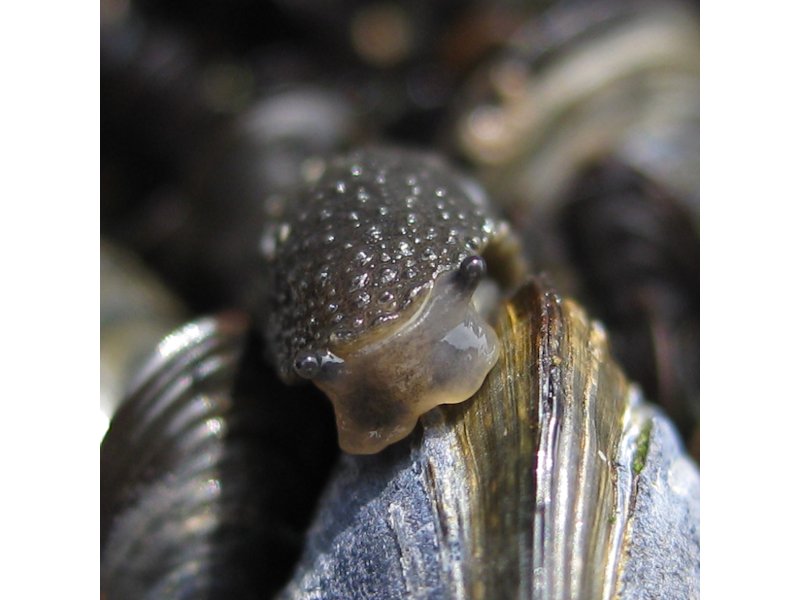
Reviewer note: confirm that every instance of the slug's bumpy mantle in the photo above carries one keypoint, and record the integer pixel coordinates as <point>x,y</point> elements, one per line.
<point>369,290</point>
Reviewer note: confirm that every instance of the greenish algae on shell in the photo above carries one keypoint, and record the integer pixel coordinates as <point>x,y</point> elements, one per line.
<point>528,490</point>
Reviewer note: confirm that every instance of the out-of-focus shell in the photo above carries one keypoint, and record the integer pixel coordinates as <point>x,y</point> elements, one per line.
<point>586,128</point>
<point>136,311</point>
<point>557,480</point>
<point>581,82</point>
<point>635,250</point>
<point>209,471</point>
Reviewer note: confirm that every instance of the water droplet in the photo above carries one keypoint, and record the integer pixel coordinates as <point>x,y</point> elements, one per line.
<point>429,254</point>
<point>415,292</point>
<point>359,281</point>
<point>383,210</point>
<point>411,218</point>
<point>362,300</point>
<point>363,257</point>
<point>385,257</point>
<point>342,334</point>
<point>385,318</point>
<point>355,170</point>
<point>411,180</point>
<point>405,248</point>
<point>440,192</point>
<point>341,187</point>
<point>325,213</point>
<point>388,275</point>
<point>329,238</point>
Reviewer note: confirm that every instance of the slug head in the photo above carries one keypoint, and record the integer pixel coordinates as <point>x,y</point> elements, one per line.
<point>439,355</point>
<point>369,289</point>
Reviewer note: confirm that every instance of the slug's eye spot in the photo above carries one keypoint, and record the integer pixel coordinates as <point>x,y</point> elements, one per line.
<point>471,271</point>
<point>307,365</point>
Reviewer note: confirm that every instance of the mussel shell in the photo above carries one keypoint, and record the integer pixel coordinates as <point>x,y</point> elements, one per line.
<point>579,81</point>
<point>136,311</point>
<point>635,250</point>
<point>557,480</point>
<point>586,128</point>
<point>209,471</point>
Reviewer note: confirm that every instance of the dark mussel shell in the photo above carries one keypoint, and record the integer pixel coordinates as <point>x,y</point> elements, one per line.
<point>210,471</point>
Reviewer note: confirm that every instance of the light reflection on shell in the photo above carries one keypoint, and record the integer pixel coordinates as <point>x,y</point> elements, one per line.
<point>205,490</point>
<point>582,81</point>
<point>136,310</point>
<point>555,481</point>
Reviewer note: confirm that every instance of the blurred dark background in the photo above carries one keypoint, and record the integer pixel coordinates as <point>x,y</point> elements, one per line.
<point>580,118</point>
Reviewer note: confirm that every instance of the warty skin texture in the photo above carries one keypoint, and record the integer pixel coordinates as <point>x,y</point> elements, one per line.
<point>370,277</point>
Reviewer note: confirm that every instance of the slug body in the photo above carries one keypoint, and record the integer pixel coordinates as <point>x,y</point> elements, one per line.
<point>370,287</point>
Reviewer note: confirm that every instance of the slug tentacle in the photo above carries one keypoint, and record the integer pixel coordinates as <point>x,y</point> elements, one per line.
<point>371,282</point>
